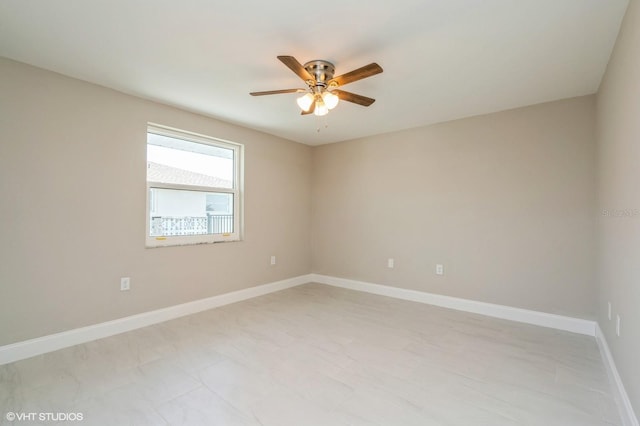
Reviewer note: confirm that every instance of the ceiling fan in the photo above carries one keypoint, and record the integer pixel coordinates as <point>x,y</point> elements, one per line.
<point>322,93</point>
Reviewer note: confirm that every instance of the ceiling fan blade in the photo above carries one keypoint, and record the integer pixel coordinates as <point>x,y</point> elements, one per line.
<point>276,92</point>
<point>295,66</point>
<point>355,75</point>
<point>352,97</point>
<point>311,109</point>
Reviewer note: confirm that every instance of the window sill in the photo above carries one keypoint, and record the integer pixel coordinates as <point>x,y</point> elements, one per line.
<point>152,243</point>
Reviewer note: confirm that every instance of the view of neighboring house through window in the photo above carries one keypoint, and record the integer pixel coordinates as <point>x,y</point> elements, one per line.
<point>193,188</point>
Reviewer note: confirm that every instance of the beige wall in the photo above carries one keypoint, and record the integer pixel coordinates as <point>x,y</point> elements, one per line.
<point>505,201</point>
<point>72,208</point>
<point>618,119</point>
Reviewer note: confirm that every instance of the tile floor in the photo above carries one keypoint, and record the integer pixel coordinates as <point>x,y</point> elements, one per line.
<point>318,355</point>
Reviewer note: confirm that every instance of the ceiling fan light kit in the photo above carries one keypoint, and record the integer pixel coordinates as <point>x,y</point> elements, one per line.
<point>323,103</point>
<point>322,93</point>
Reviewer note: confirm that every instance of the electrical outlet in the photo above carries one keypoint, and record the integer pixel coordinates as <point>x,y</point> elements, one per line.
<point>609,311</point>
<point>390,263</point>
<point>439,269</point>
<point>273,260</point>
<point>618,325</point>
<point>125,284</point>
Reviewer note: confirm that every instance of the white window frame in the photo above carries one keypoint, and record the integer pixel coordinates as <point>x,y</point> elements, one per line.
<point>236,191</point>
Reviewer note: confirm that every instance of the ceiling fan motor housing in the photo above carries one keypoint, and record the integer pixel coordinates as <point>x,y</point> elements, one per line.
<point>322,71</point>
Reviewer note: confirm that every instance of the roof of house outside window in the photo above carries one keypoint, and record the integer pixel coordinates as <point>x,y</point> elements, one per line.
<point>167,174</point>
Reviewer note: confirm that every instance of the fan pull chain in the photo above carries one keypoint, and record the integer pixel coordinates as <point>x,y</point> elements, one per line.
<point>326,123</point>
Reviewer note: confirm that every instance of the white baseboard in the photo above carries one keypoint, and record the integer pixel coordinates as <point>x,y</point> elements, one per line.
<point>575,325</point>
<point>622,399</point>
<point>41,345</point>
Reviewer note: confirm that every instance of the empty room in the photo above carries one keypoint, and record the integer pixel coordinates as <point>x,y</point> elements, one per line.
<point>421,212</point>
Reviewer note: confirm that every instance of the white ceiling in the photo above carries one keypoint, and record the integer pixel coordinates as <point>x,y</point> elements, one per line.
<point>442,59</point>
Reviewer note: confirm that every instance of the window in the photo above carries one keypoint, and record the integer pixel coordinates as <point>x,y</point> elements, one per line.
<point>193,188</point>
